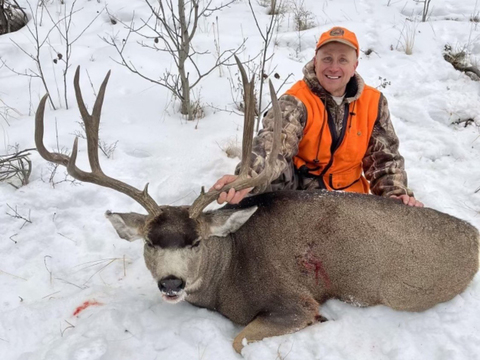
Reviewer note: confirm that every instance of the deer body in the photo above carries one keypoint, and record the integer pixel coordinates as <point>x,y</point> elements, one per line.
<point>270,261</point>
<point>361,249</point>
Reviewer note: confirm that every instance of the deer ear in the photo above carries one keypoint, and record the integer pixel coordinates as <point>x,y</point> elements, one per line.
<point>223,222</point>
<point>129,226</point>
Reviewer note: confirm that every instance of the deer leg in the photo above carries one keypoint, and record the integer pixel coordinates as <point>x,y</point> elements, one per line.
<point>279,322</point>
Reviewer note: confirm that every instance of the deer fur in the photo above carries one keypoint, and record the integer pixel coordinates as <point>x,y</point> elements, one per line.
<point>297,249</point>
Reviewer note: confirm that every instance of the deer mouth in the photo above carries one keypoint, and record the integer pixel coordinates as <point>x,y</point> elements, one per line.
<point>173,297</point>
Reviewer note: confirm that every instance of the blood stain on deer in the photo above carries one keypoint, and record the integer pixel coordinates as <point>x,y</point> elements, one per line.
<point>312,264</point>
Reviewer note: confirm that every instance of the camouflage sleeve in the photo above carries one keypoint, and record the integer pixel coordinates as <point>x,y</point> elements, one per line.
<point>294,115</point>
<point>383,165</point>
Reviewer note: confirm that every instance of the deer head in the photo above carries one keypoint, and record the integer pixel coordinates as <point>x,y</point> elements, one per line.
<point>174,236</point>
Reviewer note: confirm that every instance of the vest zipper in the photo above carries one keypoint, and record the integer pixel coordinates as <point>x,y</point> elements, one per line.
<point>336,142</point>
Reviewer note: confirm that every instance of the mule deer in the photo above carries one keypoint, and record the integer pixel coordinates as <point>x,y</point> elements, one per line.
<point>269,262</point>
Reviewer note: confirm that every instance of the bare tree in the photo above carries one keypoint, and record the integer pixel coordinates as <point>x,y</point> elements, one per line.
<point>172,29</point>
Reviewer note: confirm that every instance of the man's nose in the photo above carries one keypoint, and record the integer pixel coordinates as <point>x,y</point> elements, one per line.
<point>335,66</point>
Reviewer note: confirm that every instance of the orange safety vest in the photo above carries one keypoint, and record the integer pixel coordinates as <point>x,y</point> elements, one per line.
<point>336,160</point>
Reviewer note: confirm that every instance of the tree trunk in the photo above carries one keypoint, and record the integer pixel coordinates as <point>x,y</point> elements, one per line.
<point>183,55</point>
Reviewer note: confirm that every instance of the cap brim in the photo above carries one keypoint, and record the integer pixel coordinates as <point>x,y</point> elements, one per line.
<point>340,41</point>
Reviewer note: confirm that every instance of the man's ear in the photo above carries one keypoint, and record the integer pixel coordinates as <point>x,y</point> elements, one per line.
<point>223,222</point>
<point>129,226</point>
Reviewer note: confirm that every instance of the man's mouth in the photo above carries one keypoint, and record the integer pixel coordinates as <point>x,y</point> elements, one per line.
<point>332,77</point>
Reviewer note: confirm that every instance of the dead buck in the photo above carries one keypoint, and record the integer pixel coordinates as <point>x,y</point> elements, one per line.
<point>269,262</point>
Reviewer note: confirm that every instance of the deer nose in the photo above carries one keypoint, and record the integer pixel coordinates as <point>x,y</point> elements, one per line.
<point>171,284</point>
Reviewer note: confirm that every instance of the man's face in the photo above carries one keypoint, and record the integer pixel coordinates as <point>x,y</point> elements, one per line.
<point>335,64</point>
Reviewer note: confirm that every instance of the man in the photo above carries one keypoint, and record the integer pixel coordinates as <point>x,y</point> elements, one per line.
<point>337,132</point>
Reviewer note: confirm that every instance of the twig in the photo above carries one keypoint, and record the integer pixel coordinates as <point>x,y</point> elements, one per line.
<point>66,237</point>
<point>101,269</point>
<point>70,326</point>
<point>280,356</point>
<point>94,263</point>
<point>46,267</point>
<point>91,84</point>
<point>56,292</point>
<point>16,215</point>
<point>11,108</point>
<point>70,283</point>
<point>15,276</point>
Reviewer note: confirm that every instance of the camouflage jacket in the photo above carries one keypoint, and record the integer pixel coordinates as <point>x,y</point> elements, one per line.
<point>383,165</point>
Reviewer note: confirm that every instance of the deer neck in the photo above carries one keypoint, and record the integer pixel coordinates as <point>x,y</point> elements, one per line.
<point>213,272</point>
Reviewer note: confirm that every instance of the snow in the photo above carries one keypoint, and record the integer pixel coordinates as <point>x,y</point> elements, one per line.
<point>69,254</point>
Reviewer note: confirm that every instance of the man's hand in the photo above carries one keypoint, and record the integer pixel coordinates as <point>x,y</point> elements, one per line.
<point>232,197</point>
<point>408,200</point>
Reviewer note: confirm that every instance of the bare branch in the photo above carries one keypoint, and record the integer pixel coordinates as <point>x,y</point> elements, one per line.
<point>16,165</point>
<point>218,63</point>
<point>16,215</point>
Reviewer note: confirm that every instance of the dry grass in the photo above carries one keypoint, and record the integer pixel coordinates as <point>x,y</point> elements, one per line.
<point>407,36</point>
<point>232,148</point>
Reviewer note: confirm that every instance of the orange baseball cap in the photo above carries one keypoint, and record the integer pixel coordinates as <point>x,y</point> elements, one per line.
<point>341,35</point>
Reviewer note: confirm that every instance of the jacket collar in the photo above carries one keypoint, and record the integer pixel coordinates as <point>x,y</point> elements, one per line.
<point>354,87</point>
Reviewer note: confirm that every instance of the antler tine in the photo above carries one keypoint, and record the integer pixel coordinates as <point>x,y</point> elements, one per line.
<point>92,122</point>
<point>243,181</point>
<point>96,176</point>
<point>56,158</point>
<point>249,120</point>
<point>277,129</point>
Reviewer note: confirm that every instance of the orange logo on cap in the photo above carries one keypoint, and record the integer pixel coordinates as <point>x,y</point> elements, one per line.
<point>337,32</point>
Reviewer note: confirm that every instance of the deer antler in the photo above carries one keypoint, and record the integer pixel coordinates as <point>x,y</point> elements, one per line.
<point>96,176</point>
<point>244,181</point>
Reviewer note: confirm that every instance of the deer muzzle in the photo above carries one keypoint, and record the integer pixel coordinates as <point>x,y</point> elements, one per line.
<point>171,288</point>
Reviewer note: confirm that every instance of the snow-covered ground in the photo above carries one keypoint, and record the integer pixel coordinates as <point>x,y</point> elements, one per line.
<point>69,255</point>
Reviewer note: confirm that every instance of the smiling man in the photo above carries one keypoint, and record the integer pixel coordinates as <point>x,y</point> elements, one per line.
<point>337,132</point>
